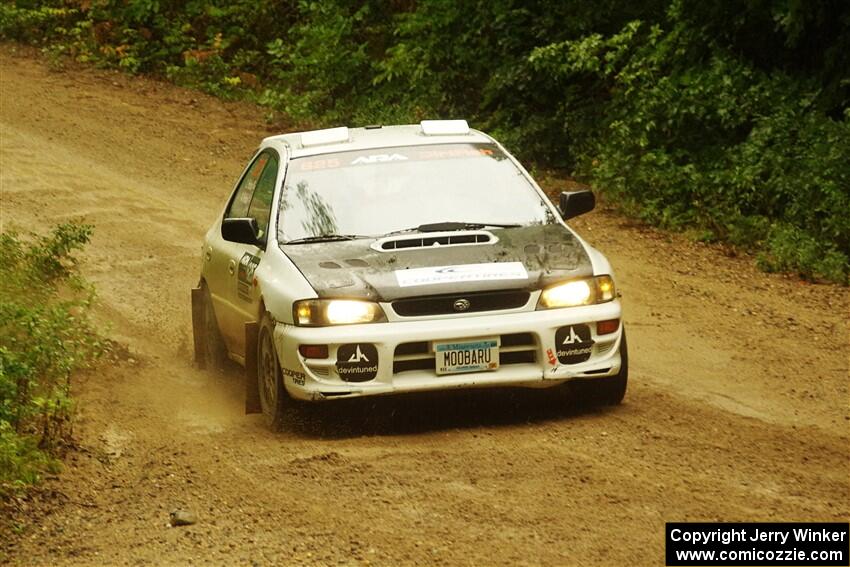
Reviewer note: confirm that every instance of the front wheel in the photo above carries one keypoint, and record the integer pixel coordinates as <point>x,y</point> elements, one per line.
<point>273,397</point>
<point>608,391</point>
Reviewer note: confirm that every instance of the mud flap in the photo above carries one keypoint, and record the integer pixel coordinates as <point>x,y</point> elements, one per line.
<point>252,392</point>
<point>198,327</point>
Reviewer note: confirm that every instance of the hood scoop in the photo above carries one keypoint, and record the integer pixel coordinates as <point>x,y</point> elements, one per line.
<point>434,239</point>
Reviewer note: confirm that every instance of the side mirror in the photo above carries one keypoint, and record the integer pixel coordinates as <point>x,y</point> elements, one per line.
<point>242,230</point>
<point>575,203</point>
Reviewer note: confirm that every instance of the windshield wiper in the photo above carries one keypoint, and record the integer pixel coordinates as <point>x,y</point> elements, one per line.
<point>452,225</point>
<point>325,238</point>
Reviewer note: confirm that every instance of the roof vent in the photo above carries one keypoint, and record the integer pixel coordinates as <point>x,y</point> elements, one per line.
<point>323,137</point>
<point>444,127</point>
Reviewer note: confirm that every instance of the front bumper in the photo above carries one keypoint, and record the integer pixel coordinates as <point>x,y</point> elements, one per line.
<point>527,353</point>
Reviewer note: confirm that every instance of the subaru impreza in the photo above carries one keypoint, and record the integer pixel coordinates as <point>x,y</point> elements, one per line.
<point>352,262</point>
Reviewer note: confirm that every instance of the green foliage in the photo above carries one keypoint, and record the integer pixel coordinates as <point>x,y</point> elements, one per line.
<point>321,65</point>
<point>21,461</point>
<point>45,335</point>
<point>38,24</point>
<point>694,136</point>
<point>790,249</point>
<point>727,119</point>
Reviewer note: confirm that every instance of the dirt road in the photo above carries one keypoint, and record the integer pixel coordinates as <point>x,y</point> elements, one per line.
<point>737,409</point>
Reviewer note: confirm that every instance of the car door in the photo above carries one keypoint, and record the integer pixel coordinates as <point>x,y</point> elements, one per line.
<point>231,265</point>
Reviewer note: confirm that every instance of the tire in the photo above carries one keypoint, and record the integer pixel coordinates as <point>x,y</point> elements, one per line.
<point>608,391</point>
<point>274,400</point>
<point>215,352</point>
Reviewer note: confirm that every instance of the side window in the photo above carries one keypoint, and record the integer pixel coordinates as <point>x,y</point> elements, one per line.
<point>261,204</point>
<point>241,201</point>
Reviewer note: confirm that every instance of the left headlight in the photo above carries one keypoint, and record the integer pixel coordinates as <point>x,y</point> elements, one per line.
<point>323,312</point>
<point>598,289</point>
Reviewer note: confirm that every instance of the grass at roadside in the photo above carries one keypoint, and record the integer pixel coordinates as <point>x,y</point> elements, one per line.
<point>46,334</point>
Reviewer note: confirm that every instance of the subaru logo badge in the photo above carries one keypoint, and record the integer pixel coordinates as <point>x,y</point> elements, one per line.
<point>461,305</point>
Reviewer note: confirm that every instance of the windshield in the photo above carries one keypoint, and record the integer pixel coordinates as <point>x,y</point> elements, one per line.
<point>378,191</point>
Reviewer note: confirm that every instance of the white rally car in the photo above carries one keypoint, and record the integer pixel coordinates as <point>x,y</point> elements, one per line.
<point>379,260</point>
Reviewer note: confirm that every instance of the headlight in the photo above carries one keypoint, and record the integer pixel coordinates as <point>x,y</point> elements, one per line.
<point>598,289</point>
<point>322,312</point>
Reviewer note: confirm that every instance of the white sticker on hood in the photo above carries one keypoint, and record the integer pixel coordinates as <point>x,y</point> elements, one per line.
<point>462,273</point>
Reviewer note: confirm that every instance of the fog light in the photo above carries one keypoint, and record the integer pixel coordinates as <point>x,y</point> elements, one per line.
<point>607,327</point>
<point>313,351</point>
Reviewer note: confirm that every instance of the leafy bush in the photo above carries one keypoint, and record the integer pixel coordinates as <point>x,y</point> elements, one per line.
<point>320,67</point>
<point>45,335</point>
<point>695,136</point>
<point>36,24</point>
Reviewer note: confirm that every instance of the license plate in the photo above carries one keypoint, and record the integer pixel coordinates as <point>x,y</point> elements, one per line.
<point>468,356</point>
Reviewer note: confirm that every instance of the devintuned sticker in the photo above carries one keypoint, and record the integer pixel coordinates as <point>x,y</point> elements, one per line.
<point>461,273</point>
<point>573,344</point>
<point>357,362</point>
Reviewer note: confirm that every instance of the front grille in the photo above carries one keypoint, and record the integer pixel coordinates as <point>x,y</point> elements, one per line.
<point>445,304</point>
<point>412,348</point>
<point>515,348</point>
<point>518,339</point>
<point>416,364</point>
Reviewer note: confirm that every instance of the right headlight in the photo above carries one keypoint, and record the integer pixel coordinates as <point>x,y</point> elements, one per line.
<point>324,312</point>
<point>573,293</point>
